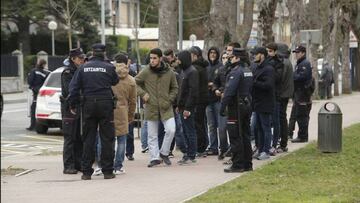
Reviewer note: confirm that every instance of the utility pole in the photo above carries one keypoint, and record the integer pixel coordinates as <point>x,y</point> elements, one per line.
<point>181,6</point>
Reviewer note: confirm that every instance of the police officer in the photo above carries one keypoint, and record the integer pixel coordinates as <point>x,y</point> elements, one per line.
<point>72,151</point>
<point>302,93</point>
<point>36,79</point>
<point>94,80</point>
<point>237,100</point>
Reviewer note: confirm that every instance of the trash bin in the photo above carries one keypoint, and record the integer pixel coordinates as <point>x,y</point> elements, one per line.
<point>330,128</point>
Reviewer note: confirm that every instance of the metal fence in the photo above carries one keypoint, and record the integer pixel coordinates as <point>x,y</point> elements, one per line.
<point>9,66</point>
<point>55,62</point>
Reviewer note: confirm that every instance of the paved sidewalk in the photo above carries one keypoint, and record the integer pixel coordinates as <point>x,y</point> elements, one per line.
<point>139,184</point>
<point>18,97</point>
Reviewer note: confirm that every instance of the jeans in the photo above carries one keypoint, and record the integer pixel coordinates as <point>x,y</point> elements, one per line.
<point>215,121</point>
<point>276,124</point>
<point>253,129</point>
<point>200,119</point>
<point>161,135</point>
<point>130,140</point>
<point>153,143</point>
<point>189,137</point>
<point>120,151</point>
<point>144,135</point>
<point>179,133</point>
<point>264,130</point>
<point>283,122</point>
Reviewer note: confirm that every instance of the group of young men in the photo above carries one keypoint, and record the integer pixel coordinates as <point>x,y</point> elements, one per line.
<point>208,107</point>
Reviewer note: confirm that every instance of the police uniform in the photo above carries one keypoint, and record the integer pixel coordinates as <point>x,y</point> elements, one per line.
<point>94,79</point>
<point>237,100</point>
<point>36,79</point>
<point>72,151</point>
<point>302,95</point>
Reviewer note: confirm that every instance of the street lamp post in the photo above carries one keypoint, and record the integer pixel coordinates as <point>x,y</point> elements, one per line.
<point>52,26</point>
<point>192,39</point>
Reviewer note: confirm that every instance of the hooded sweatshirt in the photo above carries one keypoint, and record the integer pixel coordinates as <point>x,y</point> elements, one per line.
<point>200,65</point>
<point>189,83</point>
<point>212,71</point>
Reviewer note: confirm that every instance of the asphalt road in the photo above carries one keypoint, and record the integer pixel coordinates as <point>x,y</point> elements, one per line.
<point>17,141</point>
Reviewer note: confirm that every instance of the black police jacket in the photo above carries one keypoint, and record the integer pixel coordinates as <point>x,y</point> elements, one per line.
<point>263,95</point>
<point>302,80</point>
<point>94,79</point>
<point>238,87</point>
<point>36,78</point>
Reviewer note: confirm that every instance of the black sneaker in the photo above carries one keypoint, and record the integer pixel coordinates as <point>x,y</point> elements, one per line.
<point>228,162</point>
<point>130,157</point>
<point>212,153</point>
<point>221,156</point>
<point>109,176</point>
<point>165,159</point>
<point>171,155</point>
<point>154,163</point>
<point>86,177</point>
<point>201,154</point>
<point>30,129</point>
<point>145,150</point>
<point>232,169</point>
<point>186,160</point>
<point>70,171</point>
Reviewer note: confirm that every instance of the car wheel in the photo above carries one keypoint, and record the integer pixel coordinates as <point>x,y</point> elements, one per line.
<point>41,129</point>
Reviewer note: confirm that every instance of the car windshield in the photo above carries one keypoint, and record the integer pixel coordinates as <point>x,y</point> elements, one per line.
<point>54,80</point>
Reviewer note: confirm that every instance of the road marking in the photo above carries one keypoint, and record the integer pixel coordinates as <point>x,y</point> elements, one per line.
<point>16,110</point>
<point>44,138</point>
<point>11,151</point>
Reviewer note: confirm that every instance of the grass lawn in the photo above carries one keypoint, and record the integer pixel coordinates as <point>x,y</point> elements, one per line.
<point>306,175</point>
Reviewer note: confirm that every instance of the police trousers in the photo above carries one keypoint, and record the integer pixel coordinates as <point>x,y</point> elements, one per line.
<point>238,125</point>
<point>98,114</point>
<point>73,146</point>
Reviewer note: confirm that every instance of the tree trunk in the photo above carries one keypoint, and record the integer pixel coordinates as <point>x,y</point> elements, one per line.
<point>232,19</point>
<point>345,29</point>
<point>266,20</point>
<point>243,31</point>
<point>215,25</point>
<point>296,13</point>
<point>313,60</point>
<point>24,36</point>
<point>355,26</point>
<point>168,14</point>
<point>68,20</point>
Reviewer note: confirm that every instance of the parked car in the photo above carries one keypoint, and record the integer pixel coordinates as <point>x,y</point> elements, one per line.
<point>48,106</point>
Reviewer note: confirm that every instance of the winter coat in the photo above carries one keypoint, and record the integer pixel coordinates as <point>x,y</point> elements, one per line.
<point>263,92</point>
<point>212,71</point>
<point>278,65</point>
<point>125,92</point>
<point>287,87</point>
<point>200,65</point>
<point>302,80</point>
<point>161,86</point>
<point>189,80</point>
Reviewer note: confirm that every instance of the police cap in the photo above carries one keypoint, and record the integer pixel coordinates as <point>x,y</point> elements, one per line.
<point>76,53</point>
<point>98,47</point>
<point>299,48</point>
<point>239,52</point>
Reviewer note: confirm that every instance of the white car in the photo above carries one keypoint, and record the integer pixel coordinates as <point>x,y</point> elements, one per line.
<point>48,106</point>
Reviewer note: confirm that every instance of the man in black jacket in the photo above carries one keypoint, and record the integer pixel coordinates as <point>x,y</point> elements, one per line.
<point>286,92</point>
<point>214,120</point>
<point>278,65</point>
<point>200,118</point>
<point>72,151</point>
<point>187,100</point>
<point>36,79</point>
<point>263,95</point>
<point>302,94</point>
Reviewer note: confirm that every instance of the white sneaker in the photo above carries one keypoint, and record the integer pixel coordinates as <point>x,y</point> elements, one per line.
<point>120,171</point>
<point>263,156</point>
<point>97,172</point>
